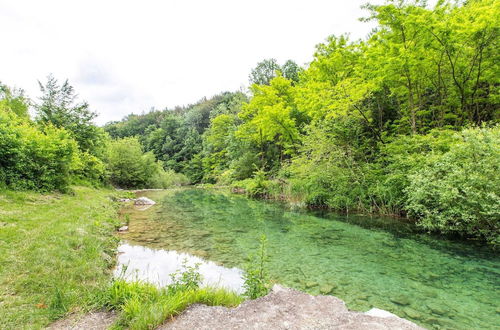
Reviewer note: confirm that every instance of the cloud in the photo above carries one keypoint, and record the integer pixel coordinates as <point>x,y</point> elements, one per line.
<point>128,56</point>
<point>93,72</point>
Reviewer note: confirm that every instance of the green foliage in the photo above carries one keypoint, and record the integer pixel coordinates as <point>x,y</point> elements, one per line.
<point>130,167</point>
<point>256,277</point>
<point>353,131</point>
<point>187,278</point>
<point>459,191</point>
<point>268,69</point>
<point>32,159</point>
<point>58,108</point>
<point>257,186</point>
<point>13,101</point>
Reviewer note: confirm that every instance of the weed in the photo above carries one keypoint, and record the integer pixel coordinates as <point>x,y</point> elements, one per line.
<point>256,277</point>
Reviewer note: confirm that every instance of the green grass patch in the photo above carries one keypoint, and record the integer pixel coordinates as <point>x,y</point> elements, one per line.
<point>56,254</point>
<point>144,306</point>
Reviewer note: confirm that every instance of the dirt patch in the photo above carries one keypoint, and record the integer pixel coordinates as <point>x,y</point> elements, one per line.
<point>92,321</point>
<point>285,309</point>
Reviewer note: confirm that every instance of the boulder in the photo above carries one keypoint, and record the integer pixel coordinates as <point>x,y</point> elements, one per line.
<point>144,201</point>
<point>285,308</point>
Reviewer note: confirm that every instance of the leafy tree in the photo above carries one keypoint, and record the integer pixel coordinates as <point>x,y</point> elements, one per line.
<point>14,100</point>
<point>58,107</point>
<point>272,116</point>
<point>264,72</point>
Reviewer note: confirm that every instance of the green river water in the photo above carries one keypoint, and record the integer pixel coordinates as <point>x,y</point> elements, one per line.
<point>365,261</point>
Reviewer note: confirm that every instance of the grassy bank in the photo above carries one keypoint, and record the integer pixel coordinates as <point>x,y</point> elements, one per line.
<point>144,306</point>
<point>56,251</point>
<point>56,255</point>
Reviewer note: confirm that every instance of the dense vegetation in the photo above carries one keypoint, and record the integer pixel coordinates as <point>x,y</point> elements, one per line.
<point>62,146</point>
<point>404,122</point>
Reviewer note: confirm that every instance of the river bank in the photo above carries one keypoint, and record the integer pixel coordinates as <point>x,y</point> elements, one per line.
<point>56,254</point>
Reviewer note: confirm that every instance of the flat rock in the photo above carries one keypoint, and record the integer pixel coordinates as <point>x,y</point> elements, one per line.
<point>285,308</point>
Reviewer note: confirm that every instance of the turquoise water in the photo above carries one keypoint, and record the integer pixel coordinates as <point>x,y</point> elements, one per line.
<point>366,261</point>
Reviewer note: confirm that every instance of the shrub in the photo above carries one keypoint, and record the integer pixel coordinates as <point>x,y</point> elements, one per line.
<point>32,159</point>
<point>459,191</point>
<point>130,167</point>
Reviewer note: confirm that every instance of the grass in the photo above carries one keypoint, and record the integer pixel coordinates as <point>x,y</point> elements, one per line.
<point>56,252</point>
<point>56,255</point>
<point>144,306</point>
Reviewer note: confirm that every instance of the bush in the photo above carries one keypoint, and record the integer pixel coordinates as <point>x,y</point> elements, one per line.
<point>258,186</point>
<point>35,160</point>
<point>130,167</point>
<point>459,191</point>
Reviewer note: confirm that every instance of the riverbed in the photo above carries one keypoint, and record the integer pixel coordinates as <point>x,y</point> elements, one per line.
<point>365,261</point>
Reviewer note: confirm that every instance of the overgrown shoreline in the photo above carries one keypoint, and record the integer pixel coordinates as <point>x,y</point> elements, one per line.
<point>57,252</point>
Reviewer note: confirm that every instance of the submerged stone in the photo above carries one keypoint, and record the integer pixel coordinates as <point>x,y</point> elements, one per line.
<point>326,289</point>
<point>411,313</point>
<point>400,300</point>
<point>437,309</point>
<point>311,284</point>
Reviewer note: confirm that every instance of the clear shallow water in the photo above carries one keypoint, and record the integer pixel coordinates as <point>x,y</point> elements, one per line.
<point>156,265</point>
<point>368,262</point>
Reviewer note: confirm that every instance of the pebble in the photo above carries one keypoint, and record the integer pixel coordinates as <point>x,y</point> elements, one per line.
<point>123,228</point>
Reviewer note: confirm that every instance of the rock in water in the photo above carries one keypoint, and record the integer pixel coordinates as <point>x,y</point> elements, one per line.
<point>380,313</point>
<point>123,228</point>
<point>144,201</point>
<point>400,300</point>
<point>326,289</point>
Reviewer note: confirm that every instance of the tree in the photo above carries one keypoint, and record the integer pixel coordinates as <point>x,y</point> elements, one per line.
<point>14,100</point>
<point>58,107</point>
<point>291,71</point>
<point>264,72</point>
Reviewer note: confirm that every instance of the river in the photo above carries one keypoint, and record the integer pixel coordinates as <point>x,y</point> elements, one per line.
<point>365,261</point>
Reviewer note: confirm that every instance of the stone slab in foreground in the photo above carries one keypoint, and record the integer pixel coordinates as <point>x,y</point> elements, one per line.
<point>285,308</point>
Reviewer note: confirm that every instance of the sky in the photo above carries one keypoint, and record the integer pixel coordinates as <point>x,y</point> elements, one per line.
<point>129,56</point>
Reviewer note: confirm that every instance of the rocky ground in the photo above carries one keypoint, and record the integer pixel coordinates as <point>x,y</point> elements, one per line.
<point>283,308</point>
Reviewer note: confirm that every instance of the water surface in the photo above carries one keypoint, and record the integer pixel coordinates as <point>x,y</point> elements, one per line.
<point>368,262</point>
<point>140,263</point>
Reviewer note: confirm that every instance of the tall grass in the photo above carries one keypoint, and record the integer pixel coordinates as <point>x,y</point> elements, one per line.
<point>144,306</point>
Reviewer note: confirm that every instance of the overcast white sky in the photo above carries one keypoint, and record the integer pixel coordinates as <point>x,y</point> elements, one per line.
<point>129,56</point>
